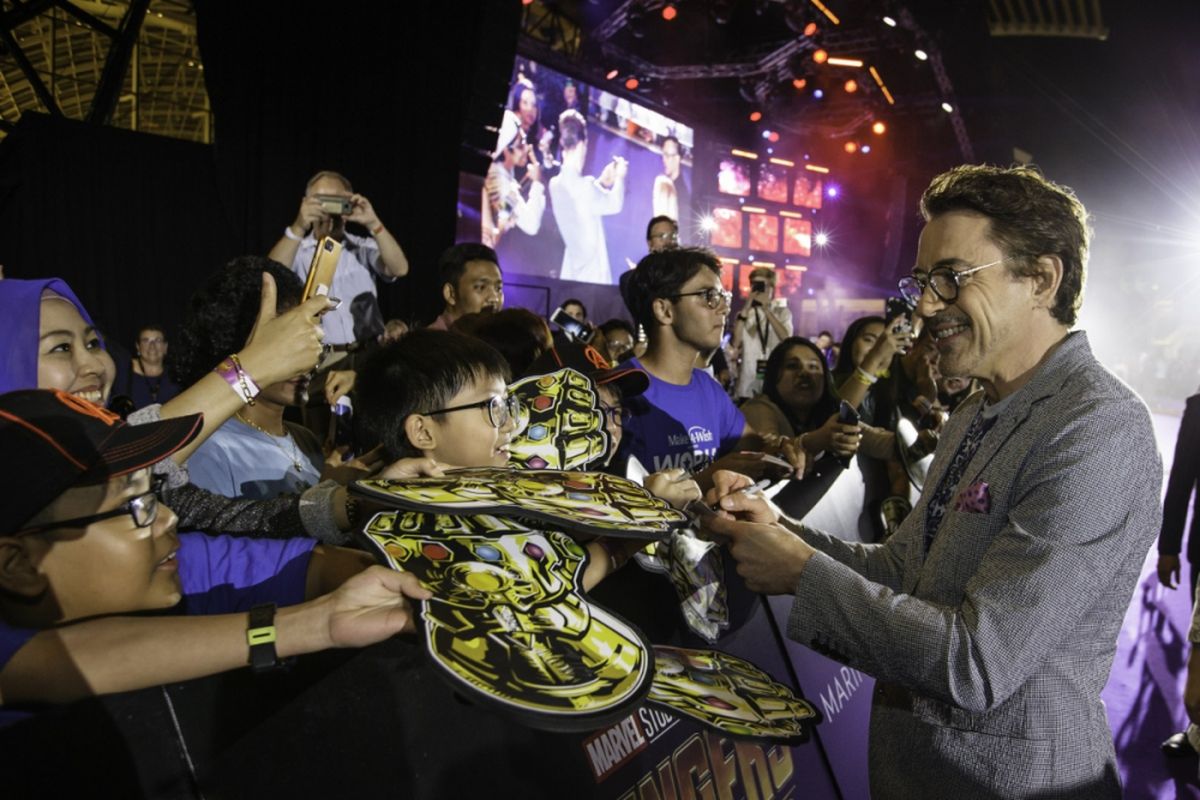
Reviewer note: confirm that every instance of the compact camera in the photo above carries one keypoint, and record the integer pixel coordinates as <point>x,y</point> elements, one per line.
<point>335,204</point>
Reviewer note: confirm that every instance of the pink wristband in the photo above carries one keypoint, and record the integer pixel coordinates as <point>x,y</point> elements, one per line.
<point>242,384</point>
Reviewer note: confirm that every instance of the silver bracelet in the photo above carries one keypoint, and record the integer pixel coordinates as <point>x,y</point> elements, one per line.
<point>287,231</point>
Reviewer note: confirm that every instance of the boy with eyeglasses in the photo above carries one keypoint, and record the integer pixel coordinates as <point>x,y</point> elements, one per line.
<point>441,396</point>
<point>83,539</point>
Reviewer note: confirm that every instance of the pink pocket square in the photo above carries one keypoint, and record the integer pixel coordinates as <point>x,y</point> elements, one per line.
<point>974,499</point>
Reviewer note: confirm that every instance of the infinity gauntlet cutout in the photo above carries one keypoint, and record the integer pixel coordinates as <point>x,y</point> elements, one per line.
<point>508,623</point>
<point>727,693</point>
<point>565,427</point>
<point>578,502</point>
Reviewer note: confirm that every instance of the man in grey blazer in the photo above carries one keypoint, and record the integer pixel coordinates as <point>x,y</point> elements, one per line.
<point>990,618</point>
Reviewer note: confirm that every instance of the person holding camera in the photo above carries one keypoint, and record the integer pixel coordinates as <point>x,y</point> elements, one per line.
<point>758,330</point>
<point>330,202</point>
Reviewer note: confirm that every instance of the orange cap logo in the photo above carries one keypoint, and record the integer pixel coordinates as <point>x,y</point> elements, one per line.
<point>81,406</point>
<point>595,358</point>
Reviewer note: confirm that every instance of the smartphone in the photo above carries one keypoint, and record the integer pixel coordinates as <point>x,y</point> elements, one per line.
<point>847,415</point>
<point>581,332</point>
<point>758,286</point>
<point>320,271</point>
<point>895,307</point>
<point>335,204</point>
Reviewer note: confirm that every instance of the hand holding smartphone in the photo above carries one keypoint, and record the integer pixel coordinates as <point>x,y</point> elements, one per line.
<point>322,268</point>
<point>580,332</point>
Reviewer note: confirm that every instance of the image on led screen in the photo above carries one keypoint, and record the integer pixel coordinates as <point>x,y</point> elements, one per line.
<point>807,191</point>
<point>797,237</point>
<point>727,230</point>
<point>733,177</point>
<point>576,173</point>
<point>764,232</point>
<point>773,183</point>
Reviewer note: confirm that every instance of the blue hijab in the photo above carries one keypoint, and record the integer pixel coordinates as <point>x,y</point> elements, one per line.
<point>21,311</point>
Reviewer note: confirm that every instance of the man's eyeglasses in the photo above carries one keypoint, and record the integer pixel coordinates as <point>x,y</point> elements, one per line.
<point>616,415</point>
<point>945,282</point>
<point>713,298</point>
<point>500,409</point>
<point>666,236</point>
<point>143,509</point>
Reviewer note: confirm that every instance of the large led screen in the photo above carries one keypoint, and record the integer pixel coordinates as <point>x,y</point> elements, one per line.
<point>727,227</point>
<point>773,183</point>
<point>807,191</point>
<point>797,237</point>
<point>733,177</point>
<point>764,232</point>
<point>576,174</point>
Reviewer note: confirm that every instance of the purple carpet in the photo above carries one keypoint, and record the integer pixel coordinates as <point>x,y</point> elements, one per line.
<point>1144,694</point>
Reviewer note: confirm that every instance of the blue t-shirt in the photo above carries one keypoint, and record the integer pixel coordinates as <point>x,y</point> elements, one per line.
<point>219,575</point>
<point>681,426</point>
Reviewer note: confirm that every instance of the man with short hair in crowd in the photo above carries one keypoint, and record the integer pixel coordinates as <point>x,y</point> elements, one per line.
<point>362,258</point>
<point>990,618</point>
<point>685,419</point>
<point>471,283</point>
<point>758,329</point>
<point>662,233</point>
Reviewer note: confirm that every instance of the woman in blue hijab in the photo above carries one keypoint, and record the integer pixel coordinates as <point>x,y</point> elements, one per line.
<point>68,355</point>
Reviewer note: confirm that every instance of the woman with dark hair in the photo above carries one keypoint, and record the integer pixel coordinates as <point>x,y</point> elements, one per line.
<point>798,399</point>
<point>519,334</point>
<point>255,454</point>
<point>866,356</point>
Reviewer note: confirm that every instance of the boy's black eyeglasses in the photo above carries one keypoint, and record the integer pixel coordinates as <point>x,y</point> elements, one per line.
<point>500,409</point>
<point>143,509</point>
<point>713,298</point>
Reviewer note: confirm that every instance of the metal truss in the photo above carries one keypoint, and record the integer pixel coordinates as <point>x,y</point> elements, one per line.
<point>128,63</point>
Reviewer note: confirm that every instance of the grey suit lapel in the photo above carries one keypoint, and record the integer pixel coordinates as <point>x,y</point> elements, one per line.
<point>1047,382</point>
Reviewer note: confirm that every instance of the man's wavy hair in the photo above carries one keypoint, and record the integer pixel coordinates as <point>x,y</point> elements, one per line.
<point>1030,215</point>
<point>222,312</point>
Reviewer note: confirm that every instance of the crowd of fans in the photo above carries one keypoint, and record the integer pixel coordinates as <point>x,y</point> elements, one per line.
<point>271,400</point>
<point>227,434</point>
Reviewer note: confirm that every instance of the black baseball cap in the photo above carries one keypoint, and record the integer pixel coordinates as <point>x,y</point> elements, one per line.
<point>53,441</point>
<point>629,380</point>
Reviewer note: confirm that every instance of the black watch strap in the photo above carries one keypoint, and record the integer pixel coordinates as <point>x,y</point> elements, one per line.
<point>260,636</point>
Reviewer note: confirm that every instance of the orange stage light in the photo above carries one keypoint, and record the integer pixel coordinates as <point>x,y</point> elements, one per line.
<point>820,56</point>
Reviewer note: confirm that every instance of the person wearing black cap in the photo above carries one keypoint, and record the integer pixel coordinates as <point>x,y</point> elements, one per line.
<point>614,387</point>
<point>84,537</point>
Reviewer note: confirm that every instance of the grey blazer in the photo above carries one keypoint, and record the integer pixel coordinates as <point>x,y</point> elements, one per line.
<point>991,649</point>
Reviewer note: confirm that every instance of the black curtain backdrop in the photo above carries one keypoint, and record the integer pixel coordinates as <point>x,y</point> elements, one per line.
<point>380,92</point>
<point>376,91</point>
<point>131,221</point>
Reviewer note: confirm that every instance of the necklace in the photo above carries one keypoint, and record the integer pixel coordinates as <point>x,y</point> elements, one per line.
<point>294,455</point>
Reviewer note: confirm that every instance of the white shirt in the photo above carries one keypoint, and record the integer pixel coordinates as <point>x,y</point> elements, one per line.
<point>241,461</point>
<point>579,202</point>
<point>358,316</point>
<point>753,349</point>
